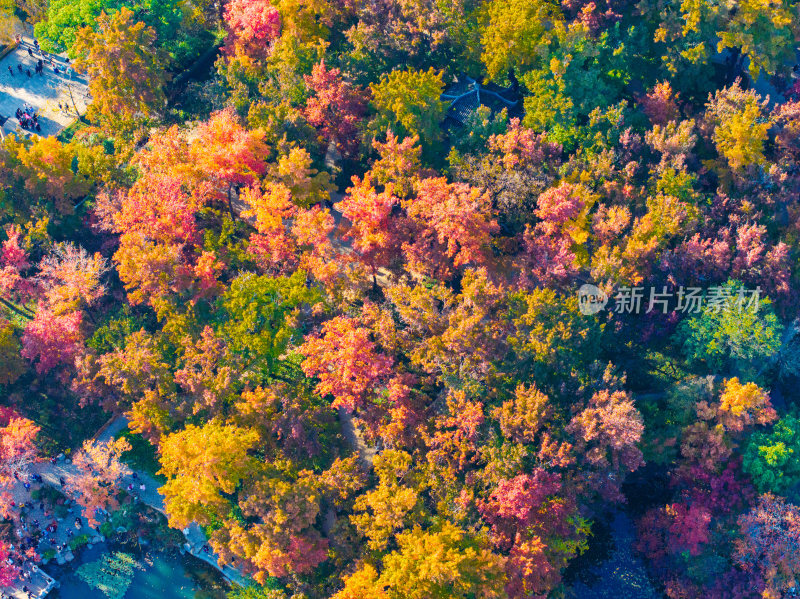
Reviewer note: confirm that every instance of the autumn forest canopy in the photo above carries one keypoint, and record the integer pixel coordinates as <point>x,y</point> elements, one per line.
<point>413,299</point>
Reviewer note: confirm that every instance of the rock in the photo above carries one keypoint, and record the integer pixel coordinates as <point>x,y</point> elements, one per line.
<point>60,560</point>
<point>69,557</point>
<point>120,529</point>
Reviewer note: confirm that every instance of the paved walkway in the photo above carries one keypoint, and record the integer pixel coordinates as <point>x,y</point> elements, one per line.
<point>196,539</point>
<point>55,534</point>
<point>44,92</point>
<point>38,517</point>
<point>39,584</point>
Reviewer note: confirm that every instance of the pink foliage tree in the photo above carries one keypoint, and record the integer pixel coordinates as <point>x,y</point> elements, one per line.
<point>252,26</point>
<point>17,451</point>
<point>607,434</point>
<point>51,340</point>
<point>8,571</point>
<point>531,517</point>
<point>548,257</point>
<point>373,229</point>
<point>769,544</point>
<point>453,227</point>
<point>336,108</point>
<point>346,362</point>
<point>100,469</point>
<point>14,287</point>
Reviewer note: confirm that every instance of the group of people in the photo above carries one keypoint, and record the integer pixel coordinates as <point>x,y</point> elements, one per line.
<point>40,62</point>
<point>28,119</point>
<point>31,534</point>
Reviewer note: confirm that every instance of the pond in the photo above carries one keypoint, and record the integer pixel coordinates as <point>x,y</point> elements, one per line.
<point>118,572</point>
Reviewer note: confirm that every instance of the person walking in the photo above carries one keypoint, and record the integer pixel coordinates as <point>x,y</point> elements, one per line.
<point>10,70</point>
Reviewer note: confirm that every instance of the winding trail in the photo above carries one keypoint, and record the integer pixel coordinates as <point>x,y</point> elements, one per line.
<point>195,538</point>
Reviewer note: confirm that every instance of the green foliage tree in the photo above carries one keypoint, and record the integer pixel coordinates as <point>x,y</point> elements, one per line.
<point>584,72</point>
<point>183,30</point>
<point>408,103</point>
<point>772,459</point>
<point>258,318</point>
<point>731,337</point>
<point>766,32</point>
<point>13,366</point>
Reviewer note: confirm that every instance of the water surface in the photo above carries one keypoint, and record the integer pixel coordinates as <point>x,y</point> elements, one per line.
<point>114,572</point>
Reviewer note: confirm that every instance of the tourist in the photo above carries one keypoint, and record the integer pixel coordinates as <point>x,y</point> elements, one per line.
<point>142,487</point>
<point>62,481</point>
<point>28,72</point>
<point>10,70</point>
<point>19,67</point>
<point>30,52</point>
